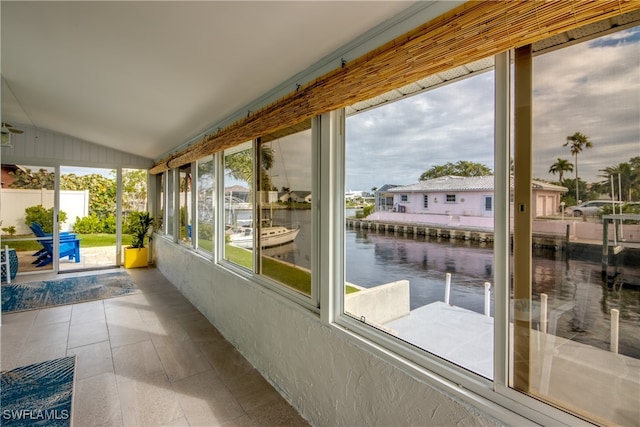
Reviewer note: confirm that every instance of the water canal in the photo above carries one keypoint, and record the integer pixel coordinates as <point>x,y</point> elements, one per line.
<point>579,302</point>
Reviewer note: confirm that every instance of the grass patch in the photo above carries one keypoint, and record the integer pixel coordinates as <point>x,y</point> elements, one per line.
<point>206,245</point>
<point>294,277</point>
<point>101,239</point>
<point>86,241</point>
<point>239,256</point>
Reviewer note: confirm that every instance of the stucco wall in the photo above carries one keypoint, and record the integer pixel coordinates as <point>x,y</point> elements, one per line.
<point>330,379</point>
<point>466,204</point>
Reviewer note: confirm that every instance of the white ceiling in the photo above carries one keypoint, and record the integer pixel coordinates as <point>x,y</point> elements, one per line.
<point>144,77</point>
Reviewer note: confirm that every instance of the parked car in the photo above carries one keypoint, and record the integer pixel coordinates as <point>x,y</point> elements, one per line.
<point>590,208</point>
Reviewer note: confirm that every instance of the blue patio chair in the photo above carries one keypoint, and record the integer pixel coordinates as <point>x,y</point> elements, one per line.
<point>68,248</point>
<point>39,232</point>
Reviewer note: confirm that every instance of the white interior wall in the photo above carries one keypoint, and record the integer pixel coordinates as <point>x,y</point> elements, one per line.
<point>328,378</point>
<point>41,147</point>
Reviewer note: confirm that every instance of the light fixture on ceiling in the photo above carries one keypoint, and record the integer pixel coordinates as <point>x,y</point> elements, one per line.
<point>7,132</point>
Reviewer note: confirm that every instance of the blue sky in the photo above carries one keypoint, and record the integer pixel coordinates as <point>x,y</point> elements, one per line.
<point>590,87</point>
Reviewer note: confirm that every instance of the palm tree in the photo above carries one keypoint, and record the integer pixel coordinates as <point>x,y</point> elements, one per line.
<point>240,166</point>
<point>560,167</point>
<point>623,176</point>
<point>576,143</point>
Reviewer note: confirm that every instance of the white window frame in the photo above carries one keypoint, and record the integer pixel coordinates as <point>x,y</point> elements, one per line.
<point>311,301</point>
<point>491,396</point>
<point>195,231</point>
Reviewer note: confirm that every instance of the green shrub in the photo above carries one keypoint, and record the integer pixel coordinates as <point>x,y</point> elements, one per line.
<point>42,216</point>
<point>94,224</point>
<point>88,225</point>
<point>109,225</point>
<point>205,231</point>
<point>367,210</point>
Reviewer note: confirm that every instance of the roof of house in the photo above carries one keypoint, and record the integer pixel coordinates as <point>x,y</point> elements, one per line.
<point>465,183</point>
<point>387,187</point>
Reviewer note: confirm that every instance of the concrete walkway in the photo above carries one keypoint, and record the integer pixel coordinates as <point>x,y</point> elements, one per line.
<point>100,257</point>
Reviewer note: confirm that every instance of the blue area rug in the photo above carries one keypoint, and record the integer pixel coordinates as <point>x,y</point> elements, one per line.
<point>39,394</point>
<point>72,290</point>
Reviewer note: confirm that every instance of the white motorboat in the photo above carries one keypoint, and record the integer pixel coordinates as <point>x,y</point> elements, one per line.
<point>274,235</point>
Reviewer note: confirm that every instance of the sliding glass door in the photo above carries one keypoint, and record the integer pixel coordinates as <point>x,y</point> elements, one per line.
<point>88,204</point>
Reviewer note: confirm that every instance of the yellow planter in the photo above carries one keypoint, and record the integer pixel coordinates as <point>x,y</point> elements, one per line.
<point>136,257</point>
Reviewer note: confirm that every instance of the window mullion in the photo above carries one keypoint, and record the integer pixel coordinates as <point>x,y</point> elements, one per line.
<point>522,218</point>
<point>501,217</point>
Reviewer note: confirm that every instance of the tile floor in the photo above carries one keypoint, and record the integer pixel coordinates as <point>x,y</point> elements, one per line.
<point>149,359</point>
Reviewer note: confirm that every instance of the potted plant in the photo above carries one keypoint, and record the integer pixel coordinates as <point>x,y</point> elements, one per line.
<point>137,255</point>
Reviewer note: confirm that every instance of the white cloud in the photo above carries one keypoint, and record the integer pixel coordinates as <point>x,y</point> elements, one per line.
<point>590,88</point>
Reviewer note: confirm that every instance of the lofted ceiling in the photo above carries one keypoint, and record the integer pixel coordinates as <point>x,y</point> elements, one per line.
<point>144,77</point>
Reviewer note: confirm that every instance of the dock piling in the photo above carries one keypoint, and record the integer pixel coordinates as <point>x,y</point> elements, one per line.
<point>615,319</point>
<point>487,299</point>
<point>447,288</point>
<point>543,313</point>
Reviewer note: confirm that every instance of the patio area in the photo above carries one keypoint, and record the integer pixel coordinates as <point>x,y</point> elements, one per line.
<point>90,258</point>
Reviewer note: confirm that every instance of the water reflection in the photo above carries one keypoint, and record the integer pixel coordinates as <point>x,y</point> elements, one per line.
<point>579,302</point>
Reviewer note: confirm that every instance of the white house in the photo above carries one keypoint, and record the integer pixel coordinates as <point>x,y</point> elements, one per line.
<point>466,196</point>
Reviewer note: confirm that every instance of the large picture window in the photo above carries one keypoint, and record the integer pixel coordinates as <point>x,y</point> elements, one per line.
<point>238,205</point>
<point>426,291</point>
<point>171,202</point>
<point>205,203</point>
<point>185,203</point>
<point>285,208</point>
<point>576,341</point>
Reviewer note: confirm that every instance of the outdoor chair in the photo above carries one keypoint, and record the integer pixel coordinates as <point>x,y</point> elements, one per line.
<point>39,232</point>
<point>69,246</point>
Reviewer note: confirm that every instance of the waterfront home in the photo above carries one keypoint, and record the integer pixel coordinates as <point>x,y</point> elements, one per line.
<point>384,198</point>
<point>467,196</point>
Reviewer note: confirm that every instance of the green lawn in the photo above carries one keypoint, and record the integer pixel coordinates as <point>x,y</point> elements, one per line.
<point>86,241</point>
<point>291,276</point>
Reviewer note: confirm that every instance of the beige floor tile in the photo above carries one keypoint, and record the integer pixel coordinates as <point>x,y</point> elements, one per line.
<point>87,333</point>
<point>277,413</point>
<point>146,359</point>
<point>96,402</point>
<point>51,315</point>
<point>87,312</point>
<point>137,362</point>
<point>24,318</point>
<point>227,361</point>
<point>148,402</point>
<point>93,359</point>
<point>199,328</point>
<point>53,333</point>
<point>40,352</point>
<point>180,357</point>
<point>13,336</point>
<point>178,422</point>
<point>206,401</point>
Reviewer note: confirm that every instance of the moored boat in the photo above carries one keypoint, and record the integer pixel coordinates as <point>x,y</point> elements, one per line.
<point>269,236</point>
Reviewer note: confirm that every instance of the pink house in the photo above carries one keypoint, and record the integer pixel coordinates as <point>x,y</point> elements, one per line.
<point>467,196</point>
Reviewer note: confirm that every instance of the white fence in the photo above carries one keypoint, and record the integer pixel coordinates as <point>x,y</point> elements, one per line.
<point>13,203</point>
